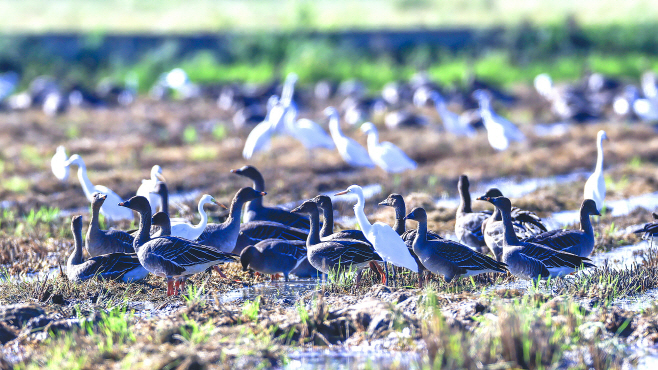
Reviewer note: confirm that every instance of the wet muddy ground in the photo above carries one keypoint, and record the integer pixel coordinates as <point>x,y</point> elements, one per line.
<point>600,318</point>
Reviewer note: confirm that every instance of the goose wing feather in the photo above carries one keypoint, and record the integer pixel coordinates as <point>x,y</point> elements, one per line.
<point>553,258</point>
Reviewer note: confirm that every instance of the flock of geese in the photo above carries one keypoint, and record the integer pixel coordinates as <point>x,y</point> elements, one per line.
<point>271,240</point>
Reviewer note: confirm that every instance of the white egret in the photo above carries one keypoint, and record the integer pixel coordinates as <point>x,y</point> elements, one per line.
<point>386,155</point>
<point>595,185</point>
<point>110,208</point>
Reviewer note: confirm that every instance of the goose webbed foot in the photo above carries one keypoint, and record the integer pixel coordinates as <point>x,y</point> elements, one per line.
<point>219,271</point>
<point>170,287</point>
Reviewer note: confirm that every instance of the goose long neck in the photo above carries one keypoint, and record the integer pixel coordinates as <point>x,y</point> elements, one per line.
<point>510,237</point>
<point>586,223</point>
<point>95,223</point>
<point>421,233</point>
<point>599,156</point>
<point>399,225</point>
<point>234,213</point>
<point>496,215</point>
<point>464,200</point>
<point>76,256</point>
<point>314,234</point>
<point>87,186</point>
<point>164,195</point>
<point>328,226</point>
<point>144,231</point>
<point>259,185</point>
<point>359,212</point>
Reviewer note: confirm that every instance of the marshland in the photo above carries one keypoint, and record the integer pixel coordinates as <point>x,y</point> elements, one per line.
<point>529,105</point>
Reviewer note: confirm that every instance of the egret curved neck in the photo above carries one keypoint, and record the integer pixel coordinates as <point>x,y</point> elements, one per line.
<point>373,139</point>
<point>359,212</point>
<point>334,125</point>
<point>87,186</point>
<point>204,217</point>
<point>599,156</point>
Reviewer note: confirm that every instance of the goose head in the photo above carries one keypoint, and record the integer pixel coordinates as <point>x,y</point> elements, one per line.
<point>76,225</point>
<point>323,201</point>
<point>137,203</point>
<point>161,220</point>
<point>417,214</point>
<point>502,203</point>
<point>589,207</point>
<point>493,193</point>
<point>247,194</point>
<point>308,207</point>
<point>97,199</point>
<point>393,200</point>
<point>249,172</point>
<point>247,255</point>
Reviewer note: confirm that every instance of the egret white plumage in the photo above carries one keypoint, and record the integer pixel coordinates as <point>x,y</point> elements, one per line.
<point>387,243</point>
<point>500,131</point>
<point>386,155</point>
<point>58,166</point>
<point>110,209</point>
<point>147,188</point>
<point>595,185</point>
<point>352,152</point>
<point>452,122</point>
<point>260,136</point>
<point>192,232</point>
<point>309,133</point>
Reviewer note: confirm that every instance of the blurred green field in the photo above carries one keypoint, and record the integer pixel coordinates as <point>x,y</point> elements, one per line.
<point>181,16</point>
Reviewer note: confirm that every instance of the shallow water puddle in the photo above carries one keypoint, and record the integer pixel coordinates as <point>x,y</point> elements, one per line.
<point>618,208</point>
<point>352,359</point>
<point>513,188</point>
<point>623,256</point>
<point>288,292</point>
